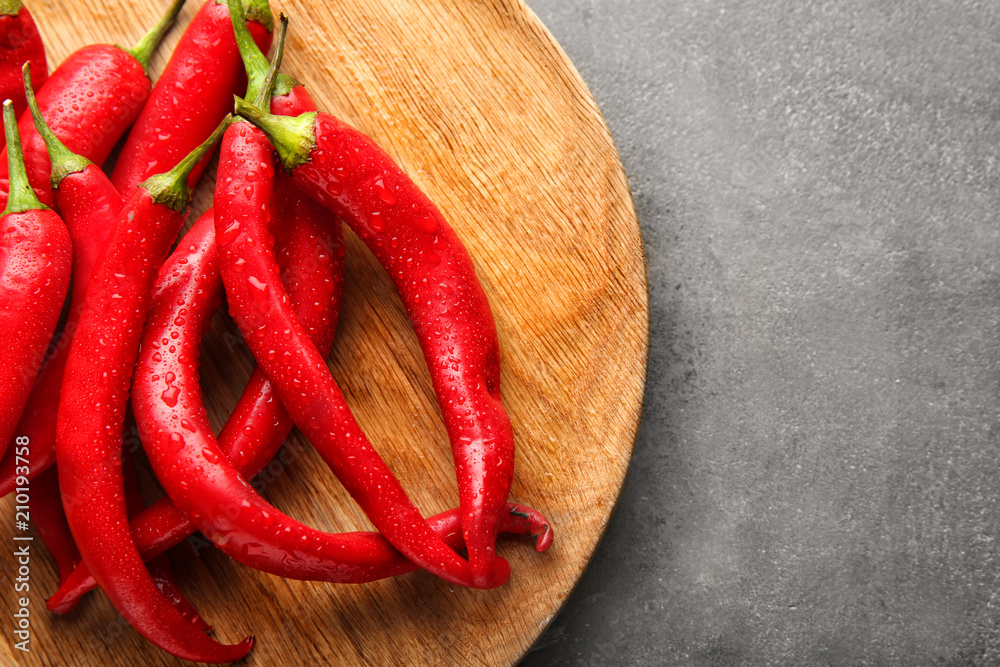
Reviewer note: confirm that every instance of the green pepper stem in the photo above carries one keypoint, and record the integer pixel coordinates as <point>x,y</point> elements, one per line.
<point>171,188</point>
<point>254,61</point>
<point>64,161</point>
<point>283,85</point>
<point>263,97</point>
<point>255,10</point>
<point>20,197</point>
<point>143,51</point>
<point>293,137</point>
<point>10,7</point>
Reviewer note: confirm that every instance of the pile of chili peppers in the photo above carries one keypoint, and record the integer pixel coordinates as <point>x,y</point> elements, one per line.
<point>141,300</point>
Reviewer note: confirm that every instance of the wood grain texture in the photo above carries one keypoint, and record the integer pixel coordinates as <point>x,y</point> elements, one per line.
<point>482,108</point>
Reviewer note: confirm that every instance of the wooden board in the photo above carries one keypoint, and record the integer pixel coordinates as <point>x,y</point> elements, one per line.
<point>482,108</point>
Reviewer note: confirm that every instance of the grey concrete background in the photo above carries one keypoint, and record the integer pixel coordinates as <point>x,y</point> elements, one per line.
<point>816,477</point>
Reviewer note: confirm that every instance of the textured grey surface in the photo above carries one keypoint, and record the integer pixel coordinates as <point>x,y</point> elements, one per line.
<point>816,478</point>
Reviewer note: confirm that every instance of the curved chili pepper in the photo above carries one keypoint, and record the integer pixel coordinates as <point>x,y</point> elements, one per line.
<point>92,411</point>
<point>89,101</point>
<point>192,94</point>
<point>162,526</point>
<point>35,257</point>
<point>174,429</point>
<point>433,274</point>
<point>44,503</point>
<point>19,43</point>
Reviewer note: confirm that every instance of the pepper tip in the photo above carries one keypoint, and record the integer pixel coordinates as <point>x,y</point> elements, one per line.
<point>543,540</point>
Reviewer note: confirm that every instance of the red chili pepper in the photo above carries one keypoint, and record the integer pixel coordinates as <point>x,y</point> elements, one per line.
<point>89,205</point>
<point>19,43</point>
<point>92,410</point>
<point>35,257</point>
<point>44,503</point>
<point>347,172</point>
<point>89,102</point>
<point>174,428</point>
<point>87,229</point>
<point>194,92</point>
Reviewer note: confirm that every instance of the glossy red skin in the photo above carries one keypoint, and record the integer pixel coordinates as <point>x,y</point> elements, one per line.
<point>433,274</point>
<point>163,575</point>
<point>90,426</point>
<point>49,519</point>
<point>199,476</point>
<point>89,205</point>
<point>259,424</point>
<point>37,296</point>
<point>88,101</point>
<point>295,102</point>
<point>191,97</point>
<point>259,305</point>
<point>35,257</point>
<point>20,43</point>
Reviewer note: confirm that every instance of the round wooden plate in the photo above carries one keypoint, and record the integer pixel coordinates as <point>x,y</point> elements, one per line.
<point>479,104</point>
